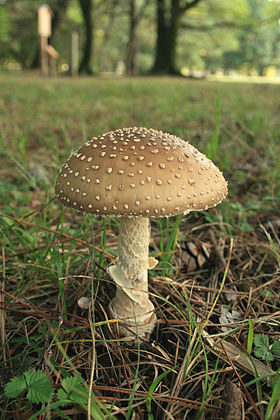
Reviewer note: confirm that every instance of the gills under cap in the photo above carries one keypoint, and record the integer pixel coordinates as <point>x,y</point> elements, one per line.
<point>139,172</point>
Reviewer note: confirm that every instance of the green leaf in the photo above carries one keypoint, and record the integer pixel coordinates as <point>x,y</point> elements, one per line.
<point>262,350</point>
<point>74,389</point>
<point>39,387</point>
<point>264,354</point>
<point>62,396</point>
<point>261,340</point>
<point>151,391</point>
<point>49,407</point>
<point>250,337</point>
<point>275,348</point>
<point>274,397</point>
<point>15,387</point>
<point>78,394</point>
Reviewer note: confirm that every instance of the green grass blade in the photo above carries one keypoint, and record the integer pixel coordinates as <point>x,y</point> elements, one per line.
<point>101,255</point>
<point>275,397</point>
<point>135,378</point>
<point>49,407</point>
<point>151,391</point>
<point>250,336</point>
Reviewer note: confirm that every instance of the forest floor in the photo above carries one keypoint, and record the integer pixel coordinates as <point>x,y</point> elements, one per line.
<point>215,350</point>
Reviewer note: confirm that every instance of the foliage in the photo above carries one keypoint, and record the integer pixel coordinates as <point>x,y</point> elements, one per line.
<point>74,391</point>
<point>263,350</point>
<point>209,31</point>
<point>40,390</point>
<point>20,38</point>
<point>258,44</point>
<point>35,382</point>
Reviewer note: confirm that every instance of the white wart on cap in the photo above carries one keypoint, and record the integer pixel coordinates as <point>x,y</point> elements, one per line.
<point>139,172</point>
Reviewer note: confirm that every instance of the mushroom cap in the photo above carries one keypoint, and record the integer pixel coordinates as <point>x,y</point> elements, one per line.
<point>139,172</point>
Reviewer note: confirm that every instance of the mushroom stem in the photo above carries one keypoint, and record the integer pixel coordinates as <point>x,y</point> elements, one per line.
<point>131,303</point>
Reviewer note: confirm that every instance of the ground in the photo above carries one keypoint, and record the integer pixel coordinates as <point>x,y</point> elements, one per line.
<point>216,288</point>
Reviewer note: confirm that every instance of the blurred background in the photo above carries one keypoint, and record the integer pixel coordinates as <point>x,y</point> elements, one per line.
<point>195,38</point>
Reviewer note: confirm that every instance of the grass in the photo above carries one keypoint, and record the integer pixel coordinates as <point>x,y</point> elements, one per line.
<point>51,256</point>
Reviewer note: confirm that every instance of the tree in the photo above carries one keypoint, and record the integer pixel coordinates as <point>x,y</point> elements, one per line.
<point>134,18</point>
<point>59,13</point>
<point>106,18</point>
<point>85,64</point>
<point>130,62</point>
<point>259,43</point>
<point>168,21</point>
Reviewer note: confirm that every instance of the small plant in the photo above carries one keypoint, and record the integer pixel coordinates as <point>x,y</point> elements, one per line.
<point>35,382</point>
<point>40,390</point>
<point>74,391</point>
<point>265,351</point>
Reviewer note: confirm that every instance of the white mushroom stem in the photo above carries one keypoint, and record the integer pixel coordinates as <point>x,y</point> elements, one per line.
<point>131,303</point>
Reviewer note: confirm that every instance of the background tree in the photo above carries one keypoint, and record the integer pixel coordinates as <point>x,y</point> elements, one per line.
<point>130,61</point>
<point>210,30</point>
<point>106,14</point>
<point>18,43</point>
<point>168,20</point>
<point>85,64</point>
<point>59,13</point>
<point>134,18</point>
<point>259,44</point>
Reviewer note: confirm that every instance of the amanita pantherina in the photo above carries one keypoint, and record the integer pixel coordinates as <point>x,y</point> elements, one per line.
<point>136,173</point>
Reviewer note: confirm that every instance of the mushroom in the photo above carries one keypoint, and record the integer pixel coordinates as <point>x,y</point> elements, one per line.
<point>137,174</point>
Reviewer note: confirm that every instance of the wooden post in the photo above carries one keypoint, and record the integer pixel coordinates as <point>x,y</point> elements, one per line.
<point>53,56</point>
<point>74,53</point>
<point>44,63</point>
<point>44,31</point>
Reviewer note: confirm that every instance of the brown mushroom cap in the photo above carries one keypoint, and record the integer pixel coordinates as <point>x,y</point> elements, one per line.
<point>139,172</point>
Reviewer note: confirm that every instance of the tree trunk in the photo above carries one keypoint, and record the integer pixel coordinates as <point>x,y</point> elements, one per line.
<point>85,65</point>
<point>130,61</point>
<point>59,13</point>
<point>104,63</point>
<point>261,69</point>
<point>168,21</point>
<point>167,28</point>
<point>134,19</point>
